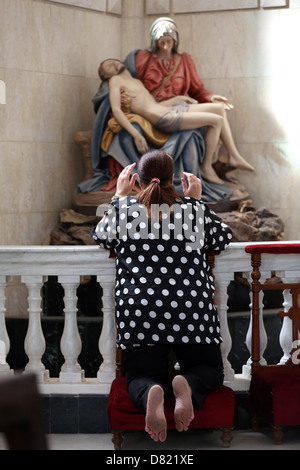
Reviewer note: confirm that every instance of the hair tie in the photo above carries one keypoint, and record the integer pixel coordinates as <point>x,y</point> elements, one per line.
<point>155,180</point>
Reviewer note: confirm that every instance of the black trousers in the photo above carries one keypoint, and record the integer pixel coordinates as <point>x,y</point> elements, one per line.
<point>145,366</point>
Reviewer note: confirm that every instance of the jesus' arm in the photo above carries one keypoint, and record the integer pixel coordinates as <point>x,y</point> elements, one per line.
<point>178,99</point>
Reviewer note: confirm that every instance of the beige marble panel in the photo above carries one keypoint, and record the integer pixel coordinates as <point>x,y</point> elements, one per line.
<point>60,29</point>
<point>258,121</point>
<point>186,35</point>
<point>26,229</point>
<point>132,8</point>
<point>2,92</point>
<point>114,6</point>
<point>50,173</point>
<point>190,6</point>
<point>235,45</point>
<point>102,40</point>
<point>76,107</point>
<point>157,7</point>
<point>2,107</point>
<point>2,119</point>
<point>33,112</point>
<point>288,67</point>
<point>132,35</point>
<point>85,119</point>
<point>289,176</point>
<point>36,31</point>
<point>275,181</point>
<point>3,39</point>
<point>291,223</point>
<point>269,162</point>
<point>14,26</point>
<point>46,107</point>
<point>15,177</point>
<point>61,171</point>
<point>274,3</point>
<point>99,5</point>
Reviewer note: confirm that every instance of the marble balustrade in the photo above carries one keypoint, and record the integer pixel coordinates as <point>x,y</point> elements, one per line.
<point>35,263</point>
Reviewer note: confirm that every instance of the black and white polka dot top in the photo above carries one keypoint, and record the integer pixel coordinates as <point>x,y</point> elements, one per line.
<point>164,288</point>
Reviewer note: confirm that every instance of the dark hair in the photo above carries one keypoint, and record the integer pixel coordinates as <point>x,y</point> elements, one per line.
<point>102,74</point>
<point>154,165</point>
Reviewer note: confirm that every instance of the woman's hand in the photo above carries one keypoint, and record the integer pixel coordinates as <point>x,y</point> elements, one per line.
<point>193,186</point>
<point>125,183</point>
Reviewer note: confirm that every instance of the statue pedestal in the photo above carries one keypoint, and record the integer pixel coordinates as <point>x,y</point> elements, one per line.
<point>87,203</point>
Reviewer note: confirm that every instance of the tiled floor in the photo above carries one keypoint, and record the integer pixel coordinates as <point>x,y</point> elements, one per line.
<point>192,440</point>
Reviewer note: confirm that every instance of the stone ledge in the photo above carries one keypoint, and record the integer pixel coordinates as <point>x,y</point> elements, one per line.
<point>113,6</point>
<point>164,7</point>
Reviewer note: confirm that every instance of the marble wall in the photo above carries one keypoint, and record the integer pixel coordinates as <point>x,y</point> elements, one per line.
<point>49,54</point>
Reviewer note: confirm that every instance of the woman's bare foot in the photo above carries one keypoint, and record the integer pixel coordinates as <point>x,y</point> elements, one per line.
<point>184,410</point>
<point>156,424</point>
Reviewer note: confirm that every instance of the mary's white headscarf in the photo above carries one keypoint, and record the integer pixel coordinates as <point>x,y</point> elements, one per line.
<point>163,27</point>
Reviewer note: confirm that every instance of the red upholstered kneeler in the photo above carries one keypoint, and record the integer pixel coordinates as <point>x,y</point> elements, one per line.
<point>274,394</point>
<point>217,413</point>
<point>275,397</point>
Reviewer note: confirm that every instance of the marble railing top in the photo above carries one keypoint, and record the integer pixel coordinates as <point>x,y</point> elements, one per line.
<point>92,260</point>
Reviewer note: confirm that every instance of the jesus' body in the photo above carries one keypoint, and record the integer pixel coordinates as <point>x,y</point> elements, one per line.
<point>175,114</point>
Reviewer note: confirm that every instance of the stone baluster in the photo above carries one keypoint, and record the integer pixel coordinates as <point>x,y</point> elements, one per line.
<point>107,341</point>
<point>4,339</point>
<point>222,281</point>
<point>286,333</point>
<point>246,370</point>
<point>35,343</point>
<point>70,344</point>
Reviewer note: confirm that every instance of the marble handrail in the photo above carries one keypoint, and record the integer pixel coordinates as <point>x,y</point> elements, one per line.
<point>35,263</point>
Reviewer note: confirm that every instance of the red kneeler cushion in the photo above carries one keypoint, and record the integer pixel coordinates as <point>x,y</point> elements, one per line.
<point>275,394</point>
<point>217,410</point>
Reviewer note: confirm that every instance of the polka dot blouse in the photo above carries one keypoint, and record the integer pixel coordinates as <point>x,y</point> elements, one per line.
<point>164,287</point>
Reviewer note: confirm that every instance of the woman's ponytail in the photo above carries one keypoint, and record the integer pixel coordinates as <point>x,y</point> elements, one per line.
<point>155,170</point>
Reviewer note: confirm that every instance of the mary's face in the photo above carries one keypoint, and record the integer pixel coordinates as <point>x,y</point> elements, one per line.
<point>165,45</point>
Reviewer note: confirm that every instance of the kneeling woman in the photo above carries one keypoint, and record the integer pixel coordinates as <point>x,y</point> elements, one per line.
<point>164,288</point>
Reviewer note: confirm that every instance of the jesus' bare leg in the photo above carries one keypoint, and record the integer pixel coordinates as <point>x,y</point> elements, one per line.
<point>193,120</point>
<point>235,159</point>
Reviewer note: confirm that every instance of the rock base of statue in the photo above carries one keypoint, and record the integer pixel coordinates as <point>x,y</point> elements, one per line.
<point>247,224</point>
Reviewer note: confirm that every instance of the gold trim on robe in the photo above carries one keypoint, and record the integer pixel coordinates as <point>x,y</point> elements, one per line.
<point>153,136</point>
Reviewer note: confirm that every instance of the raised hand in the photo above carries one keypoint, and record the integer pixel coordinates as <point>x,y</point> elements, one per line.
<point>192,186</point>
<point>126,182</point>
